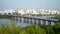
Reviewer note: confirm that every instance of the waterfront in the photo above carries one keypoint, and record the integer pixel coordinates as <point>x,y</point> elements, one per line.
<point>15,26</point>
<point>31,29</point>
<point>24,24</point>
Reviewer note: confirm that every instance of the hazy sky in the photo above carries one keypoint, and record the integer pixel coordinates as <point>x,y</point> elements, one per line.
<point>23,4</point>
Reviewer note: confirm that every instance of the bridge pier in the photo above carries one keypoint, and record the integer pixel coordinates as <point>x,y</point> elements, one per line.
<point>27,20</point>
<point>31,20</point>
<point>36,21</point>
<point>15,18</point>
<point>39,22</point>
<point>44,22</point>
<point>55,22</point>
<point>20,19</point>
<point>24,20</point>
<point>49,23</point>
<point>52,23</point>
<point>12,17</point>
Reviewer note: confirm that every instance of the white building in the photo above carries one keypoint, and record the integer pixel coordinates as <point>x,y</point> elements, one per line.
<point>30,11</point>
<point>52,12</point>
<point>7,11</point>
<point>42,11</point>
<point>21,11</point>
<point>35,11</point>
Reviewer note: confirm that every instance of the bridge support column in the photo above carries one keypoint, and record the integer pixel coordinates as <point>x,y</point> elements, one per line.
<point>39,22</point>
<point>24,20</point>
<point>31,20</point>
<point>35,21</point>
<point>44,22</point>
<point>12,17</point>
<point>55,22</point>
<point>20,19</point>
<point>27,20</point>
<point>52,23</point>
<point>49,23</point>
<point>15,18</point>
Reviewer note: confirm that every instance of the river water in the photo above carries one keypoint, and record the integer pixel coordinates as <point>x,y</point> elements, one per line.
<point>9,21</point>
<point>18,23</point>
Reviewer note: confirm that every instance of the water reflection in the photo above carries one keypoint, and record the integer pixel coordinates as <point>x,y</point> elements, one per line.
<point>18,23</point>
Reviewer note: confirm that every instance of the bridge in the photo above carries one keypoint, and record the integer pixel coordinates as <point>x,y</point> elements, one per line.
<point>34,20</point>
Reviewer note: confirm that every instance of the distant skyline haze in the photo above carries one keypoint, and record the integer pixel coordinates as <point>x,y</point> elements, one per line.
<point>30,4</point>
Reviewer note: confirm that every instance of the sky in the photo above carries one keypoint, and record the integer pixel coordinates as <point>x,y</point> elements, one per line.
<point>30,4</point>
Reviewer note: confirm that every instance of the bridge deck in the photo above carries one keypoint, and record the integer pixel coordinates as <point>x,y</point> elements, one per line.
<point>34,17</point>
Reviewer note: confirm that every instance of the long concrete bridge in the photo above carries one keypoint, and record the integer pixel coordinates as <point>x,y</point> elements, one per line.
<point>34,20</point>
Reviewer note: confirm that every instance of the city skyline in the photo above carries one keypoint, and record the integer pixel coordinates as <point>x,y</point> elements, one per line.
<point>30,4</point>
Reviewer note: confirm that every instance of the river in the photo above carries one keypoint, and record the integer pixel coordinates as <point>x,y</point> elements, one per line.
<point>9,21</point>
<point>18,23</point>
